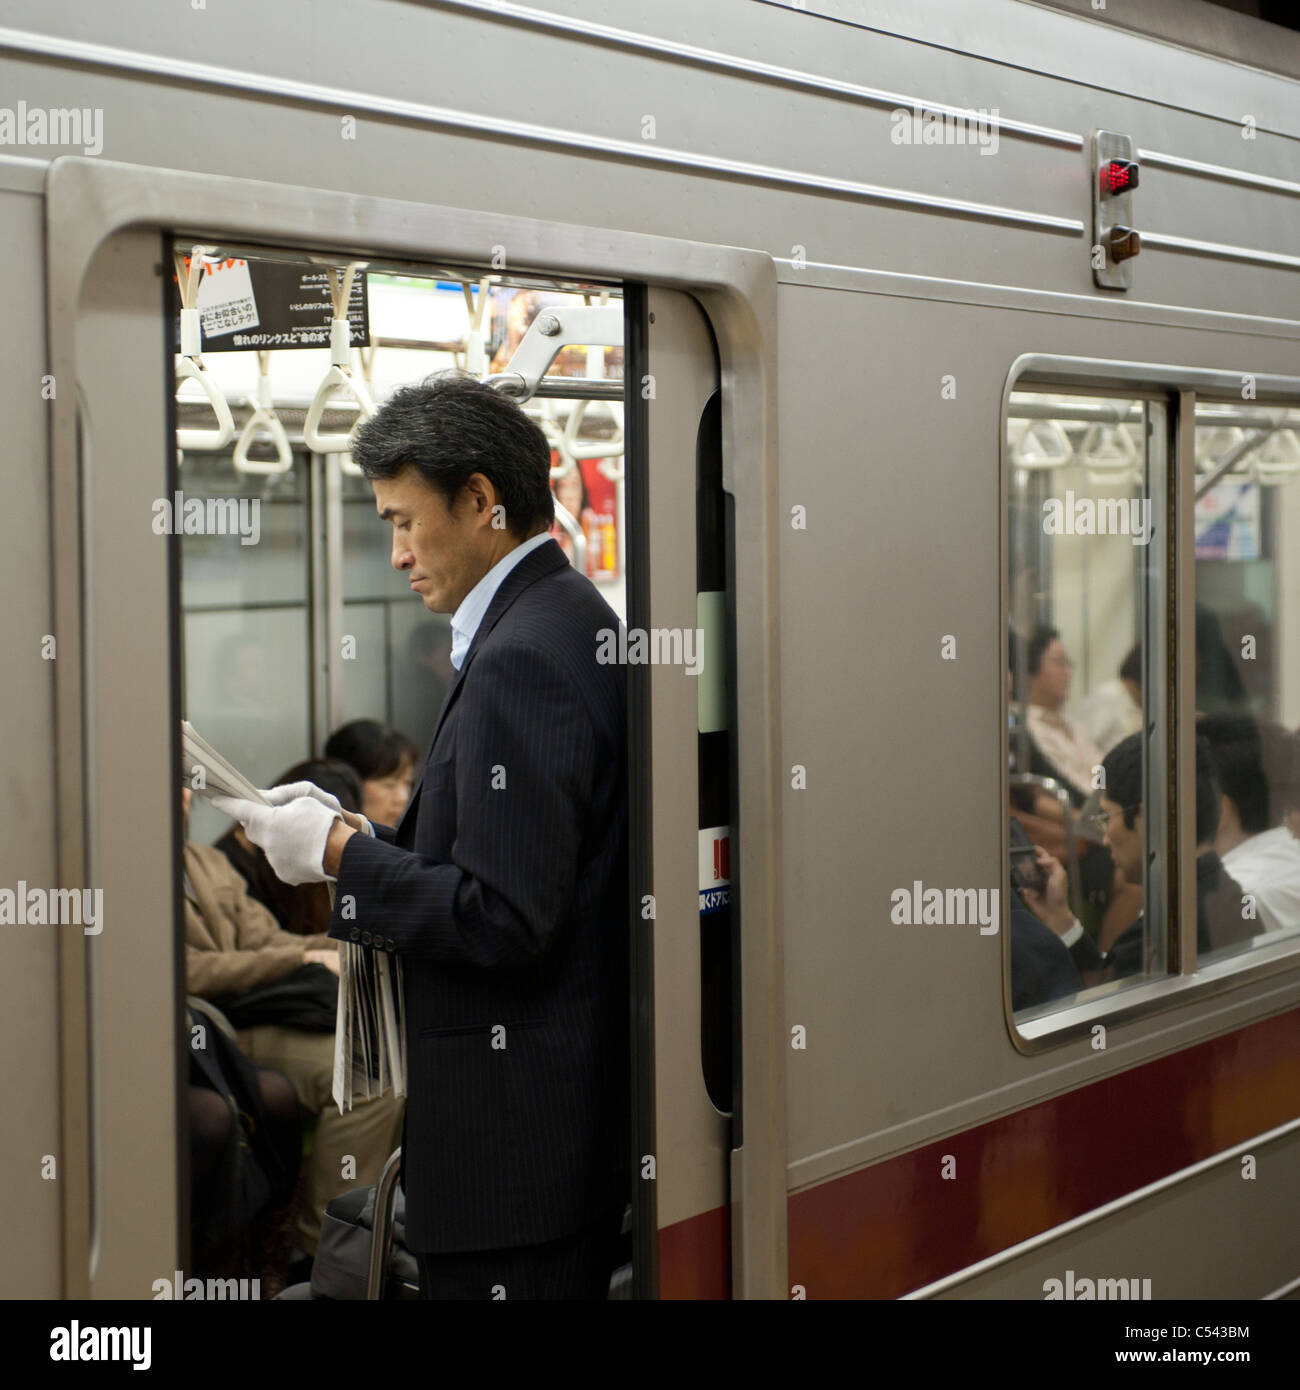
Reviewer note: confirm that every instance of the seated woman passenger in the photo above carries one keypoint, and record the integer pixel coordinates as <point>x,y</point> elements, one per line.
<point>305,909</point>
<point>232,943</point>
<point>385,761</point>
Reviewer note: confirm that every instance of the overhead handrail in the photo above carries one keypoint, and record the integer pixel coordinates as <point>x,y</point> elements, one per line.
<point>265,419</point>
<point>548,335</point>
<point>189,362</point>
<point>339,376</point>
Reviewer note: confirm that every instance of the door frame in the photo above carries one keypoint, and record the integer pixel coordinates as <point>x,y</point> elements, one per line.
<point>88,201</point>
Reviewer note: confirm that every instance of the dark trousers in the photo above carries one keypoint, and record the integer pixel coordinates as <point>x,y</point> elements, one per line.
<point>575,1266</point>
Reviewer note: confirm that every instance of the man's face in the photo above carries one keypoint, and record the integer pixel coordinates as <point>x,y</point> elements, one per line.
<point>1125,845</point>
<point>1051,686</point>
<point>445,550</point>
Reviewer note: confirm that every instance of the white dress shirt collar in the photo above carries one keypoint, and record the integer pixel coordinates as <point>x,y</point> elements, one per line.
<point>474,606</point>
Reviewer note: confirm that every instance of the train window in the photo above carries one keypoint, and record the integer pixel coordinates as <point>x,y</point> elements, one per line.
<point>294,592</point>
<point>1086,560</point>
<point>1247,654</point>
<point>246,615</point>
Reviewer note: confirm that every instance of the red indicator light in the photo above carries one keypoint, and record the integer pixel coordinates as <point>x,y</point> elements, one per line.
<point>1119,175</point>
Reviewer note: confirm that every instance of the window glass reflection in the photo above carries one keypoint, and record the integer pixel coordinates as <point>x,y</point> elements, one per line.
<point>1084,481</point>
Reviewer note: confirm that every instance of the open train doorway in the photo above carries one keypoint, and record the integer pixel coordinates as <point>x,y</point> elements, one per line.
<point>283,624</point>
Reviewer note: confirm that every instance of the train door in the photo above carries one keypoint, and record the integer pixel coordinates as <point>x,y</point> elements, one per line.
<point>152,634</point>
<point>682,822</point>
<point>117,679</point>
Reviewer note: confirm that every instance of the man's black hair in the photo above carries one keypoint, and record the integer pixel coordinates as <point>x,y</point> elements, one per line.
<point>1208,795</point>
<point>450,426</point>
<point>1043,638</point>
<point>1123,771</point>
<point>1122,768</point>
<point>1239,765</point>
<point>1131,667</point>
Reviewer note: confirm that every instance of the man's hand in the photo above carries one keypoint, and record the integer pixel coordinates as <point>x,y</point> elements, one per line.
<point>1050,905</point>
<point>329,959</point>
<point>281,796</point>
<point>293,835</point>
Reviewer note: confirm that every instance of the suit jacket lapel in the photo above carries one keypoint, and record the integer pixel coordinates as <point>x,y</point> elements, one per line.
<point>546,559</point>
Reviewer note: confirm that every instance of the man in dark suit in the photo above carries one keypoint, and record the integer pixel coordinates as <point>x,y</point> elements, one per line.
<point>503,890</point>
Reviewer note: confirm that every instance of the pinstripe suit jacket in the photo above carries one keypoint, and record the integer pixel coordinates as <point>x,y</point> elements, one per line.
<point>504,893</point>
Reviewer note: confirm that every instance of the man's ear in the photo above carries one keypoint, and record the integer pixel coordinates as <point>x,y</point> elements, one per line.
<point>484,495</point>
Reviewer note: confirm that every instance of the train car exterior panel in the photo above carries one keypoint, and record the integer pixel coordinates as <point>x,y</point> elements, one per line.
<point>804,166</point>
<point>31,1171</point>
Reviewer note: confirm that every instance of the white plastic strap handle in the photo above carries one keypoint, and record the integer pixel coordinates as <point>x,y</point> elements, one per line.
<point>189,364</point>
<point>339,376</point>
<point>591,448</point>
<point>476,362</point>
<point>367,356</point>
<point>595,352</point>
<point>265,419</point>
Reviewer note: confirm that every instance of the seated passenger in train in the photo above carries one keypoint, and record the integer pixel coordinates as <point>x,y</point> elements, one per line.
<point>305,909</point>
<point>1219,897</point>
<point>1114,709</point>
<point>231,943</point>
<point>1065,748</point>
<point>1039,812</point>
<point>1262,856</point>
<point>1044,937</point>
<point>384,759</point>
<point>245,1151</point>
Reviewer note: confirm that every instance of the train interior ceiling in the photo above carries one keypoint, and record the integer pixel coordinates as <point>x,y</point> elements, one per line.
<point>311,607</point>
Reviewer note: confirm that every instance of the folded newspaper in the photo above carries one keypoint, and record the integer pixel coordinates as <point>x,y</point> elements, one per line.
<point>369,1034</point>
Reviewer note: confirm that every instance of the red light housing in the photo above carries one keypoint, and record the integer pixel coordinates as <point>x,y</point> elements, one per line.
<point>1119,176</point>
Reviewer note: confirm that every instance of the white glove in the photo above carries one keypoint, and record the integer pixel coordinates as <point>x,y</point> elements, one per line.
<point>281,796</point>
<point>293,835</point>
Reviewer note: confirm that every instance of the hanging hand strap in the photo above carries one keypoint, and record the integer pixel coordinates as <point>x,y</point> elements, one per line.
<point>189,364</point>
<point>264,419</point>
<point>339,376</point>
<point>476,362</point>
<point>367,356</point>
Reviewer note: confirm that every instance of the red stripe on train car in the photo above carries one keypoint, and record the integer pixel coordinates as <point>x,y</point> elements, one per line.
<point>898,1225</point>
<point>695,1256</point>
